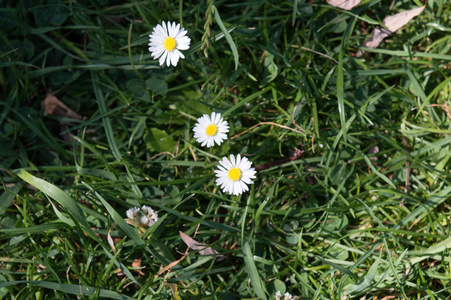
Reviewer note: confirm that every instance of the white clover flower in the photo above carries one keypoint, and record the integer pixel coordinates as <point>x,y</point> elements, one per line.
<point>132,212</point>
<point>166,41</point>
<point>209,130</point>
<point>234,175</point>
<point>152,216</point>
<point>287,296</point>
<point>145,216</point>
<point>278,295</point>
<point>144,220</point>
<point>146,209</point>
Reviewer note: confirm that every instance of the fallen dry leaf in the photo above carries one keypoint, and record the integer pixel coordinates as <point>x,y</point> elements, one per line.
<point>53,106</point>
<point>344,4</point>
<point>393,23</point>
<point>110,240</point>
<point>137,266</point>
<point>398,20</point>
<point>171,265</point>
<point>195,245</point>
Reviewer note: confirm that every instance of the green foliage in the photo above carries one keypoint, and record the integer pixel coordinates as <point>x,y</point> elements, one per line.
<point>352,192</point>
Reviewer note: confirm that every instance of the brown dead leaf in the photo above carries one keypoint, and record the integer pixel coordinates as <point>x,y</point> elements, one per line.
<point>398,20</point>
<point>393,23</point>
<point>195,245</point>
<point>344,4</point>
<point>53,106</point>
<point>137,266</point>
<point>110,240</point>
<point>170,266</point>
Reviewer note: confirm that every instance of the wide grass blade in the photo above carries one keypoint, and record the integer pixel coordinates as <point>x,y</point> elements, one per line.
<point>105,120</point>
<point>73,208</point>
<point>74,289</point>
<point>252,271</point>
<point>227,36</point>
<point>340,78</point>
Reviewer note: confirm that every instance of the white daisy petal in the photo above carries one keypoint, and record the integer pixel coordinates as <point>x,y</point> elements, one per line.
<point>208,132</point>
<point>181,35</point>
<point>222,136</point>
<point>215,117</point>
<point>221,169</point>
<point>226,163</point>
<point>176,30</point>
<point>237,188</point>
<point>166,41</point>
<point>217,139</point>
<point>161,30</point>
<point>156,52</point>
<point>228,187</point>
<point>234,181</point>
<point>243,186</point>
<point>238,161</point>
<point>174,58</point>
<point>180,54</point>
<point>165,28</point>
<point>163,58</point>
<point>232,160</point>
<point>210,143</point>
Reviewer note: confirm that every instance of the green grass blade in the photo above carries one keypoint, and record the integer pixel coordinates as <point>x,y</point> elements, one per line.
<point>72,207</point>
<point>382,176</point>
<point>340,78</point>
<point>105,120</point>
<point>227,36</point>
<point>419,91</point>
<point>340,93</point>
<point>74,289</point>
<point>131,233</point>
<point>246,100</point>
<point>429,205</point>
<point>408,54</point>
<point>252,271</point>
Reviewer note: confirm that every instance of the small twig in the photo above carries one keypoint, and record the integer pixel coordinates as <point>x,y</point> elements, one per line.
<point>321,54</point>
<point>159,154</point>
<point>446,108</point>
<point>266,123</point>
<point>295,155</point>
<point>292,117</point>
<point>174,263</point>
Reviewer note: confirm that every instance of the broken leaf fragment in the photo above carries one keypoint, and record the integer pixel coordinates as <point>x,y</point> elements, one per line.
<point>53,106</point>
<point>392,24</point>
<point>198,246</point>
<point>344,4</point>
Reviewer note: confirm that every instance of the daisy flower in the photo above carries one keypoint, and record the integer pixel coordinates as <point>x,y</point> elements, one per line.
<point>166,41</point>
<point>209,130</point>
<point>235,174</point>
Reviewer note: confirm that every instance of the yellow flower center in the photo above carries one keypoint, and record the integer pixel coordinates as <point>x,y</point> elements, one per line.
<point>211,130</point>
<point>169,43</point>
<point>234,174</point>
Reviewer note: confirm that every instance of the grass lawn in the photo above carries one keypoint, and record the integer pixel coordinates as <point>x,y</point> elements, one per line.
<point>342,187</point>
